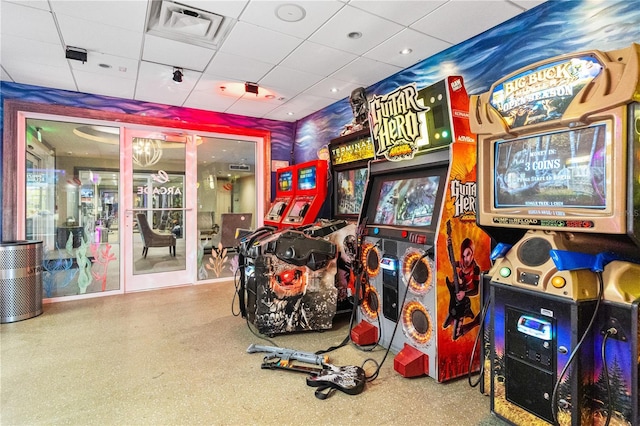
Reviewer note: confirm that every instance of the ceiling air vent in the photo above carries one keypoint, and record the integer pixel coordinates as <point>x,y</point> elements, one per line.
<point>240,167</point>
<point>187,24</point>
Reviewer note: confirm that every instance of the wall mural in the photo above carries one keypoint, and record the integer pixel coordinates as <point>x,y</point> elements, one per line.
<point>551,29</point>
<point>281,132</point>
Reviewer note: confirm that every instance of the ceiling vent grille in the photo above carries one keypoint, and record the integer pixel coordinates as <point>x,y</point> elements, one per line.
<point>187,24</point>
<point>240,167</point>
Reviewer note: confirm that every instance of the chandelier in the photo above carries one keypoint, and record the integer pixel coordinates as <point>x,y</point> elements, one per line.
<point>146,152</point>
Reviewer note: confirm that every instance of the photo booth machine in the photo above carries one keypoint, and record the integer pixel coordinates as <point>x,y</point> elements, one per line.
<point>559,191</point>
<point>421,249</point>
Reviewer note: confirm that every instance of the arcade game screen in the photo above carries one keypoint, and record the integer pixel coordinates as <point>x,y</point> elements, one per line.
<point>350,190</point>
<point>562,169</point>
<point>285,181</point>
<point>407,201</point>
<point>307,178</point>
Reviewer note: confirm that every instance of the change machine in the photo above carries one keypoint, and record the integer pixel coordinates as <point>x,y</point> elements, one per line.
<point>559,191</point>
<point>421,250</point>
<point>286,183</point>
<point>311,191</point>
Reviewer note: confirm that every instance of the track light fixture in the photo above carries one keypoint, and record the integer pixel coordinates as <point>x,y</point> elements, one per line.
<point>177,75</point>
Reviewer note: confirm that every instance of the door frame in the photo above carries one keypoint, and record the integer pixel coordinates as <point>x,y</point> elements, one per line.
<point>16,112</point>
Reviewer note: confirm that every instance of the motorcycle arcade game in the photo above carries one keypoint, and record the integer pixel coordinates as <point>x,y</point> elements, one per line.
<point>311,191</point>
<point>421,250</point>
<point>286,184</point>
<point>559,191</point>
<point>288,277</point>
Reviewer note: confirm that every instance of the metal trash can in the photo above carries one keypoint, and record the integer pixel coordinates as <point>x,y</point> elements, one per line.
<point>20,280</point>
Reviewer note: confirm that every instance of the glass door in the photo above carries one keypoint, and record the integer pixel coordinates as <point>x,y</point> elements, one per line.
<point>159,186</point>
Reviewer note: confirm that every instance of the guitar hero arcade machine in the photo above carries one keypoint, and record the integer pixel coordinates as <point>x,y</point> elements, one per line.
<point>311,191</point>
<point>559,190</point>
<point>421,249</point>
<point>286,183</point>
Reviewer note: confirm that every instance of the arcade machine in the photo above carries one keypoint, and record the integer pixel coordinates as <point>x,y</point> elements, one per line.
<point>288,277</point>
<point>421,249</point>
<point>350,155</point>
<point>311,192</point>
<point>286,184</point>
<point>559,191</point>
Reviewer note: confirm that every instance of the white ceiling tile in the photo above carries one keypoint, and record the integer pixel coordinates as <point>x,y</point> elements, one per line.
<point>402,12</point>
<point>129,14</point>
<point>209,100</point>
<point>40,53</point>
<point>38,4</point>
<point>259,43</point>
<point>246,106</point>
<point>100,38</point>
<point>422,47</point>
<point>108,85</point>
<point>349,19</point>
<point>289,79</point>
<point>305,100</point>
<point>155,84</point>
<point>324,88</point>
<point>42,75</point>
<point>120,67</point>
<point>237,67</point>
<point>528,4</point>
<point>317,58</point>
<point>315,13</point>
<point>39,25</point>
<point>471,19</point>
<point>231,9</point>
<point>365,72</point>
<point>176,53</point>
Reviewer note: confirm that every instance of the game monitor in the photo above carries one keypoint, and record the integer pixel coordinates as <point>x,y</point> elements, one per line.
<point>349,191</point>
<point>286,183</point>
<point>405,200</point>
<point>350,155</point>
<point>311,191</point>
<point>561,158</point>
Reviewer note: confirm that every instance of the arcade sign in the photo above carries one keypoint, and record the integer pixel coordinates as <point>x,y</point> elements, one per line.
<point>543,93</point>
<point>351,151</point>
<point>396,121</point>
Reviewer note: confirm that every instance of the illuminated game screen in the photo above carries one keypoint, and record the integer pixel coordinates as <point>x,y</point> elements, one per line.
<point>307,178</point>
<point>407,201</point>
<point>350,190</point>
<point>285,181</point>
<point>562,169</point>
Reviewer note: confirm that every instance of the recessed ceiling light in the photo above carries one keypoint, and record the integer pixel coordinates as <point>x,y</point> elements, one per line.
<point>406,51</point>
<point>270,96</point>
<point>354,35</point>
<point>289,113</point>
<point>290,12</point>
<point>334,90</point>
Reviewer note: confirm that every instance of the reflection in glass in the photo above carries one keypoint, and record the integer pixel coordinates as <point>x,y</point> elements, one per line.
<point>72,197</point>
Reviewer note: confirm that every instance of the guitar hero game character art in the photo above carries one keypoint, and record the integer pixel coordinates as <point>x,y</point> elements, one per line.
<point>465,283</point>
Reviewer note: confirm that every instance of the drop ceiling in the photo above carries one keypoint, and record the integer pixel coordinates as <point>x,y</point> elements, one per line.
<point>298,52</point>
